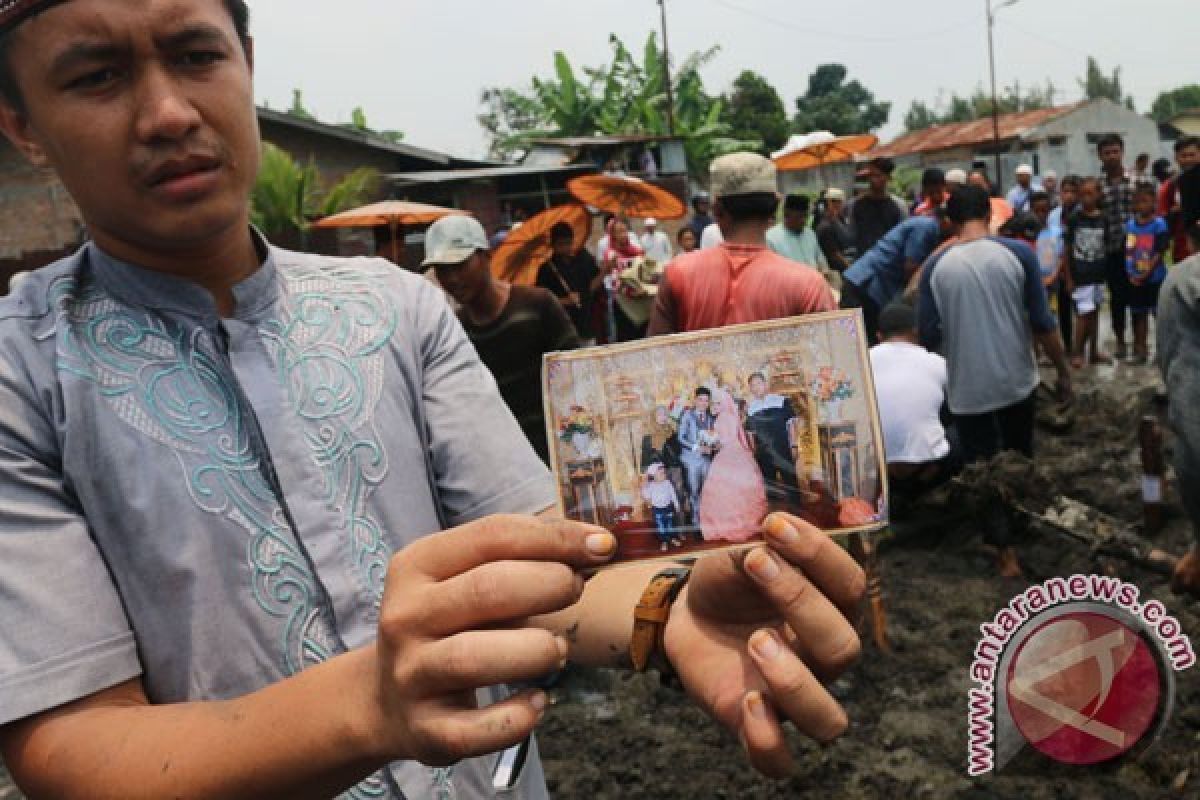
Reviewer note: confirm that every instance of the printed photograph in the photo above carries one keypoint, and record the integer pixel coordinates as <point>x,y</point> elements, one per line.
<point>686,443</point>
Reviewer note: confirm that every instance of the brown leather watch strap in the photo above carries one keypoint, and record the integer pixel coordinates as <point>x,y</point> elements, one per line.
<point>650,616</point>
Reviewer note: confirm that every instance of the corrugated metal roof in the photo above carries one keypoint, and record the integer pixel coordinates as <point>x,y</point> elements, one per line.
<point>365,139</point>
<point>593,141</point>
<point>452,175</point>
<point>962,134</point>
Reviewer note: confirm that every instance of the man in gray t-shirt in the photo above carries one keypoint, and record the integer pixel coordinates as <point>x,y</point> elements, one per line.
<point>982,305</point>
<point>267,528</point>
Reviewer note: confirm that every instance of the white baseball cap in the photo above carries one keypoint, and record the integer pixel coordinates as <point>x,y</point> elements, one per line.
<point>742,173</point>
<point>452,240</point>
<point>1025,169</point>
<point>650,222</point>
<point>1050,174</point>
<point>957,176</point>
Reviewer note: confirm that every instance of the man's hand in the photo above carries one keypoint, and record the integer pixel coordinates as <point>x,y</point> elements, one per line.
<point>450,623</point>
<point>754,637</point>
<point>1187,574</point>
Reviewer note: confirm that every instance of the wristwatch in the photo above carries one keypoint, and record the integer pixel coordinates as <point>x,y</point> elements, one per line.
<point>650,618</point>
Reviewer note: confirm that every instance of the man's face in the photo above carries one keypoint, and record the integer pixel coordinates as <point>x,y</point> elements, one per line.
<point>702,402</point>
<point>1143,204</point>
<point>562,247</point>
<point>145,109</point>
<point>1050,184</point>
<point>1023,180</point>
<point>977,179</point>
<point>465,281</point>
<point>758,387</point>
<point>703,207</point>
<point>1188,157</point>
<point>835,207</point>
<point>1041,210</point>
<point>1089,196</point>
<point>1112,156</point>
<point>795,220</point>
<point>877,180</point>
<point>935,193</point>
<point>1069,195</point>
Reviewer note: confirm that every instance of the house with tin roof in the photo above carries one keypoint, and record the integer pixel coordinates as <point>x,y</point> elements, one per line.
<point>1062,139</point>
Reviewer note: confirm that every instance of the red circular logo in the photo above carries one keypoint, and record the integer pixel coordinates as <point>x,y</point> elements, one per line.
<point>1083,688</point>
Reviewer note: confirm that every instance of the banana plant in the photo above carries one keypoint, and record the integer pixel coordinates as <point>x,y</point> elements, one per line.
<point>287,196</point>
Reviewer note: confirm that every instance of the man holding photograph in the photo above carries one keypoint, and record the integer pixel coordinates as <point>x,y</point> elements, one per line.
<point>267,523</point>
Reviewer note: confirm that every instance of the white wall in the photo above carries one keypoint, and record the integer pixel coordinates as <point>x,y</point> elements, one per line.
<point>1099,116</point>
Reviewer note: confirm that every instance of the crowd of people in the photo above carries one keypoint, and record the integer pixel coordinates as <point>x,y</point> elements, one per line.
<point>990,284</point>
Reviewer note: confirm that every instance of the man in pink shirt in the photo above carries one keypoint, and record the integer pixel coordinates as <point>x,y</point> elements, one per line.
<point>741,280</point>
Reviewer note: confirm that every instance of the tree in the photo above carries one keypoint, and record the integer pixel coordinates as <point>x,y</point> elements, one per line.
<point>1173,103</point>
<point>977,106</point>
<point>287,195</point>
<point>1097,86</point>
<point>831,104</point>
<point>754,110</point>
<point>625,96</point>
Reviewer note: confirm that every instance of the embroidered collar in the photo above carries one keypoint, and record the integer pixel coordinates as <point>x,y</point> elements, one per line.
<point>150,289</point>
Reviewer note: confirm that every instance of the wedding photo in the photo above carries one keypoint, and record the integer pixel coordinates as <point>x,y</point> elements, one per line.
<point>687,443</point>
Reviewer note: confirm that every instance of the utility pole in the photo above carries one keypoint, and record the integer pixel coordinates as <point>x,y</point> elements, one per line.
<point>991,23</point>
<point>662,6</point>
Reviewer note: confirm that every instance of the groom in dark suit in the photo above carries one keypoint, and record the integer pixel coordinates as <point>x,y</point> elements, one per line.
<point>696,457</point>
<point>767,418</point>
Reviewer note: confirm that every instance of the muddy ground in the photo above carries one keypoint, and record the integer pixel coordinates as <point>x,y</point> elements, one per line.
<point>616,736</point>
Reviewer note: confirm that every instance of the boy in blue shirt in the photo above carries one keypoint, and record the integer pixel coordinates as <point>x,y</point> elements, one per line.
<point>1147,239</point>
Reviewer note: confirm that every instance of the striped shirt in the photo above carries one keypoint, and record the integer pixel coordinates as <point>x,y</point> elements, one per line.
<point>1118,208</point>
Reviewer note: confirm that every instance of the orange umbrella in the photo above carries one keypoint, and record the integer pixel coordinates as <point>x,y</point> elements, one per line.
<point>618,194</point>
<point>393,213</point>
<point>519,257</point>
<point>1002,212</point>
<point>819,149</point>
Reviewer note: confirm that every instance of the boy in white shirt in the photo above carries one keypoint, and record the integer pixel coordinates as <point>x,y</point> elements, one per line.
<point>660,494</point>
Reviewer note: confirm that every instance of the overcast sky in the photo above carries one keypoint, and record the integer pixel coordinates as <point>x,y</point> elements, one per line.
<point>419,67</point>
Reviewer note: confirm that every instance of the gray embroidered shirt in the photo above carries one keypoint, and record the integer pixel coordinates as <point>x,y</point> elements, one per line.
<point>211,503</point>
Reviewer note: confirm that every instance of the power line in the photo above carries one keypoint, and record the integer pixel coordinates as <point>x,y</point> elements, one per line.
<point>853,37</point>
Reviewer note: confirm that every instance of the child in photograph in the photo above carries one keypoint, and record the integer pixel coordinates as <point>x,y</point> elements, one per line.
<point>664,503</point>
<point>734,501</point>
<point>1084,250</point>
<point>1146,242</point>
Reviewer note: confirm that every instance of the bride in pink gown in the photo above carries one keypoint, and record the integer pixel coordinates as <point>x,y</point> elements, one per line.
<point>733,502</point>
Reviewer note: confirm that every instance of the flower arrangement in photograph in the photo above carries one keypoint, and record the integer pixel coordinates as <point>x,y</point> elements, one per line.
<point>578,422</point>
<point>831,385</point>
